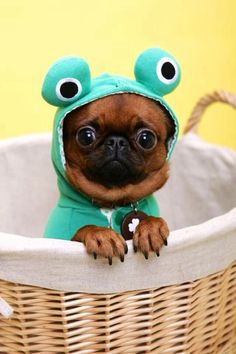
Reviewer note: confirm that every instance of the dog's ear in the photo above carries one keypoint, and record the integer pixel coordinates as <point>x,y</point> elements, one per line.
<point>170,125</point>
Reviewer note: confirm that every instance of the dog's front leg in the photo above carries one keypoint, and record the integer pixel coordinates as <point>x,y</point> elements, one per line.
<point>150,235</point>
<point>101,241</point>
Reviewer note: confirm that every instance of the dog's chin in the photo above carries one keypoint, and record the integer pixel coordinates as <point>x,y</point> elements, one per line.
<point>109,194</point>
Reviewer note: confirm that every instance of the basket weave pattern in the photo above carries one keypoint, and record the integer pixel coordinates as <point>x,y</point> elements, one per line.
<point>192,318</point>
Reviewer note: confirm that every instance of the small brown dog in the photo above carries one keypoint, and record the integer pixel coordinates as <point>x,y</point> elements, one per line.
<point>112,140</point>
<point>115,150</point>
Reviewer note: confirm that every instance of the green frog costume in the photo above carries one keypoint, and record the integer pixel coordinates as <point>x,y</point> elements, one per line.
<point>68,85</point>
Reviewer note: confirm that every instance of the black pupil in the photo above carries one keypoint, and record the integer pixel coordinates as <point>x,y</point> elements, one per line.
<point>168,70</point>
<point>86,136</point>
<point>69,89</point>
<point>146,140</point>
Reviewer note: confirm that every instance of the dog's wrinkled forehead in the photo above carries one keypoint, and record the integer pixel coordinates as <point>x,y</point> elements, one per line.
<point>121,114</point>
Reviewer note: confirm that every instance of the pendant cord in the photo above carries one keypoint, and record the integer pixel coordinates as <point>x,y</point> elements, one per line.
<point>135,207</point>
<point>108,212</point>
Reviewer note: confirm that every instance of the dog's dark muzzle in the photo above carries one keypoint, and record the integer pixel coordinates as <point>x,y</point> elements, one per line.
<point>116,166</point>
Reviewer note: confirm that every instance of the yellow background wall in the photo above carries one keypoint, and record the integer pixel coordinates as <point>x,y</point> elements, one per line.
<point>110,34</point>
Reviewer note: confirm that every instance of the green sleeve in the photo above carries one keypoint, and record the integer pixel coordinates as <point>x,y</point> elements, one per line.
<point>153,206</point>
<point>58,225</point>
<point>64,222</point>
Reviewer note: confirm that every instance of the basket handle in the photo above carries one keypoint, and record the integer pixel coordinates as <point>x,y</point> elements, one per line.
<point>203,103</point>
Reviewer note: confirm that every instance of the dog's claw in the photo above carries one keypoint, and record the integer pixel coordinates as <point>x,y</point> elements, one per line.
<point>122,258</point>
<point>110,260</point>
<point>126,248</point>
<point>146,255</point>
<point>135,249</point>
<point>95,255</point>
<point>164,240</point>
<point>157,253</point>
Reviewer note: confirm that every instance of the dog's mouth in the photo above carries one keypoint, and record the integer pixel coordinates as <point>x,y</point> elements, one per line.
<point>115,173</point>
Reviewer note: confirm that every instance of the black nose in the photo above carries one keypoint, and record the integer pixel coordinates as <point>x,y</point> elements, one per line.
<point>116,142</point>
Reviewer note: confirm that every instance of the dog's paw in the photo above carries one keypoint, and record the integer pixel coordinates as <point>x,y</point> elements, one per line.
<point>150,235</point>
<point>101,241</point>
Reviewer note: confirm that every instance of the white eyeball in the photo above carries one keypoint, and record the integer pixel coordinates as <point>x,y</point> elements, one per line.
<point>68,88</point>
<point>167,70</point>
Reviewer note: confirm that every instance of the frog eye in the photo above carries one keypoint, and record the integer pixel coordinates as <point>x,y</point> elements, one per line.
<point>66,81</point>
<point>167,70</point>
<point>68,88</point>
<point>158,71</point>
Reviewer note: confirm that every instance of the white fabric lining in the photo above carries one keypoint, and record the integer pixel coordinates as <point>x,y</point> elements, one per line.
<point>5,309</point>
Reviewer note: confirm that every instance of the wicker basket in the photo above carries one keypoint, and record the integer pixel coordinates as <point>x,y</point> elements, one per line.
<point>188,308</point>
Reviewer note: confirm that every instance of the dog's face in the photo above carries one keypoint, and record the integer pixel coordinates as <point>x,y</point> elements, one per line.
<point>116,148</point>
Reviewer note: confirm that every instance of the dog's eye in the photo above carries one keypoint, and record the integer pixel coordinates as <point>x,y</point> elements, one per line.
<point>85,136</point>
<point>146,139</point>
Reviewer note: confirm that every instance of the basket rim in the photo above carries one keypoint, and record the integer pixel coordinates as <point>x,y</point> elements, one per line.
<point>192,253</point>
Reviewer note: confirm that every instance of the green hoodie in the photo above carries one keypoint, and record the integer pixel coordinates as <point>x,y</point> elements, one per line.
<point>68,85</point>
